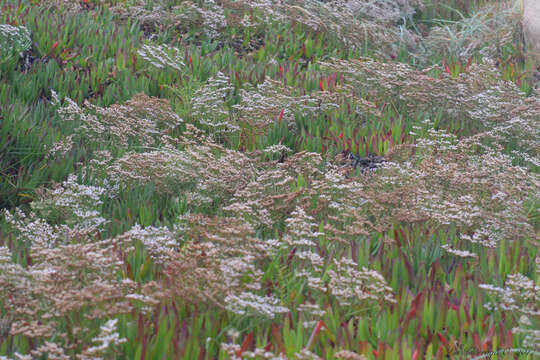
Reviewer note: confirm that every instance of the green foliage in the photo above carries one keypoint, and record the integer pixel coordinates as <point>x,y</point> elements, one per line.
<point>235,180</point>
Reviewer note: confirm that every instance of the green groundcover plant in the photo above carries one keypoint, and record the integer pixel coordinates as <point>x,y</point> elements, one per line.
<point>268,179</point>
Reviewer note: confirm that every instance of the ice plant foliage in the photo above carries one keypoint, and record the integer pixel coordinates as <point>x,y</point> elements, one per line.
<point>226,211</point>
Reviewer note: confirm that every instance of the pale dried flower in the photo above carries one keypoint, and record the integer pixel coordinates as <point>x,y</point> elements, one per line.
<point>107,342</point>
<point>349,355</point>
<point>162,56</point>
<point>142,120</point>
<point>460,253</point>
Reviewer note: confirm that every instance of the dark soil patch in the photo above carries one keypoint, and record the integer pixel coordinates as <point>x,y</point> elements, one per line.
<point>367,163</point>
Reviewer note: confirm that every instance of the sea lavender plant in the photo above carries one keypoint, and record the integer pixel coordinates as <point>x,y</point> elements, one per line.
<point>14,40</point>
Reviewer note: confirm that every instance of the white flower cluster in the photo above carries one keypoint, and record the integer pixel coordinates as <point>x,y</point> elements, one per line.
<point>157,241</point>
<point>277,149</point>
<point>250,303</point>
<point>311,313</point>
<point>238,270</point>
<point>520,296</point>
<point>34,231</point>
<point>233,350</point>
<point>379,10</point>
<point>142,119</point>
<point>162,56</point>
<point>13,41</point>
<point>107,340</point>
<point>302,238</point>
<point>350,285</point>
<point>5,255</point>
<point>76,204</point>
<point>213,18</point>
<point>270,96</point>
<point>18,356</point>
<point>209,105</point>
<point>460,253</point>
<point>352,22</point>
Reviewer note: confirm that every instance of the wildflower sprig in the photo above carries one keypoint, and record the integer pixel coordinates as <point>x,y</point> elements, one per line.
<point>14,40</point>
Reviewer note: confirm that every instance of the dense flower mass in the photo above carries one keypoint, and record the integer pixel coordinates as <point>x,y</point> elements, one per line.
<point>13,41</point>
<point>267,179</point>
<point>141,120</point>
